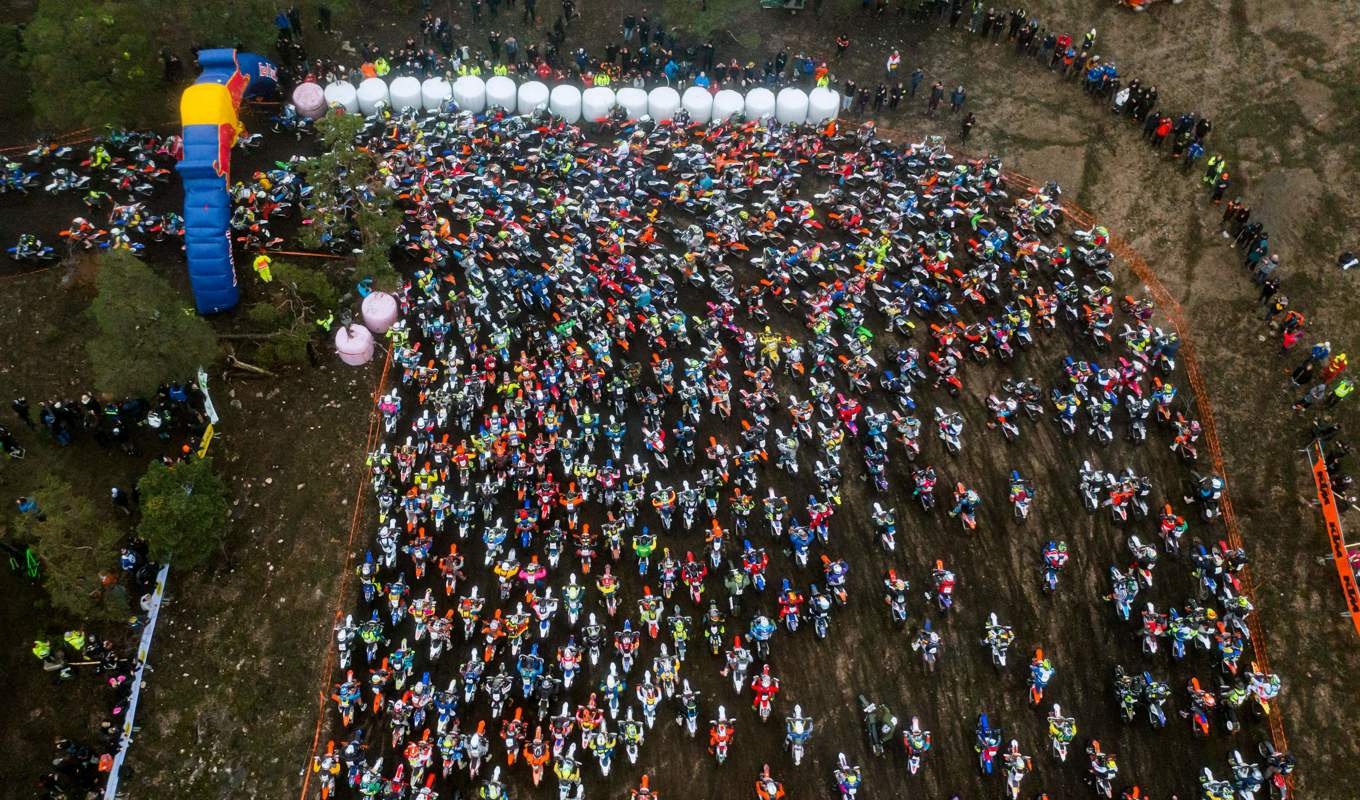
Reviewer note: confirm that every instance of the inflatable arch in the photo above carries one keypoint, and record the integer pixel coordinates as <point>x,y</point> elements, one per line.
<point>208,113</point>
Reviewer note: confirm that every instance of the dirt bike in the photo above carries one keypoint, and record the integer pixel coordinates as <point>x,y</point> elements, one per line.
<point>1278,768</point>
<point>1061,731</point>
<point>847,777</point>
<point>797,730</point>
<point>1055,558</point>
<point>1021,496</point>
<point>35,252</point>
<point>924,480</point>
<point>1214,789</point>
<point>1017,766</point>
<point>689,716</point>
<point>916,742</point>
<point>720,735</point>
<point>949,429</point>
<point>1091,482</point>
<point>767,788</point>
<point>879,724</point>
<point>763,706</point>
<point>998,640</point>
<point>987,744</point>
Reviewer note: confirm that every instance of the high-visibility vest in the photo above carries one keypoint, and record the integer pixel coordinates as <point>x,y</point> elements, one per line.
<point>76,639</point>
<point>42,648</point>
<point>261,265</point>
<point>380,66</point>
<point>601,78</point>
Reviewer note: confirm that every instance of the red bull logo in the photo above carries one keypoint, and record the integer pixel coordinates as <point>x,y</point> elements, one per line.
<point>236,85</point>
<point>226,137</point>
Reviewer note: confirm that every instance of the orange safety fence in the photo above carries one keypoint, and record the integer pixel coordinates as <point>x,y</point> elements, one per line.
<point>342,590</point>
<point>1330,516</point>
<point>27,273</point>
<point>1169,306</point>
<point>305,253</point>
<point>71,138</point>
<point>61,140</point>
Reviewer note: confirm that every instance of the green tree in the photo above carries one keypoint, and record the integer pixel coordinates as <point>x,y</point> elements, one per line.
<point>184,511</point>
<point>227,23</point>
<point>77,549</point>
<point>147,332</point>
<point>296,301</point>
<point>91,62</point>
<point>348,194</point>
<point>249,23</point>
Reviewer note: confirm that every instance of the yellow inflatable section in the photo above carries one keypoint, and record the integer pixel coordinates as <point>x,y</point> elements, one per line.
<point>208,104</point>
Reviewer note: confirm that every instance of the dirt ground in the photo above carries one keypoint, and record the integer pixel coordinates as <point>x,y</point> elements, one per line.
<point>230,709</point>
<point>998,569</point>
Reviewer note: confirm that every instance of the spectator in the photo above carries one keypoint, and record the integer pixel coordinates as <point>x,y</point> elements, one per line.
<point>936,97</point>
<point>20,406</point>
<point>29,505</point>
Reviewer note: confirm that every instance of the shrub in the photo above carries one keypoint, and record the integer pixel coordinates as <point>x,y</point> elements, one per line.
<point>77,549</point>
<point>184,511</point>
<point>90,63</point>
<point>147,333</point>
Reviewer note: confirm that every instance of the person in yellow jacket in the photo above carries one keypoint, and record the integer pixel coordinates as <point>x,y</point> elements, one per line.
<point>601,78</point>
<point>261,264</point>
<point>75,640</point>
<point>500,69</point>
<point>381,67</point>
<point>99,157</point>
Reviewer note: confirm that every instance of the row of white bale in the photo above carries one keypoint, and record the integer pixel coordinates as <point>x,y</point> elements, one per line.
<point>790,106</point>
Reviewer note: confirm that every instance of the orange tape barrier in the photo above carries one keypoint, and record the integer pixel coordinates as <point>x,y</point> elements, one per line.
<point>62,140</point>
<point>1332,518</point>
<point>306,253</point>
<point>72,138</point>
<point>27,273</point>
<point>328,665</point>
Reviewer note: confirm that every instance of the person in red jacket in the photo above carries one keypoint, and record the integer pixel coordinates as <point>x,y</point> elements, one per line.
<point>765,686</point>
<point>1162,131</point>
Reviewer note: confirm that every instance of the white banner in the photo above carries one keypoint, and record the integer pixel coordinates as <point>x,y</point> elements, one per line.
<point>207,398</point>
<point>143,650</point>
